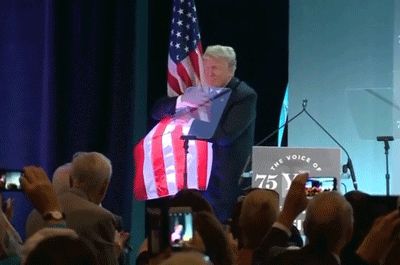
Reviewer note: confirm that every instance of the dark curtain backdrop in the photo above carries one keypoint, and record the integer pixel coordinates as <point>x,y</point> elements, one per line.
<point>66,85</point>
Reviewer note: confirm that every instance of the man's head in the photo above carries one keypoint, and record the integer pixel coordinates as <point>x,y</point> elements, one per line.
<point>56,246</point>
<point>219,65</point>
<point>329,221</point>
<point>61,178</point>
<point>259,211</point>
<point>91,172</point>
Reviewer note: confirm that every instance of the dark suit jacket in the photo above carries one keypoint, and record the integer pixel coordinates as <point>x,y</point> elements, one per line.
<point>232,144</point>
<point>93,223</point>
<point>310,254</point>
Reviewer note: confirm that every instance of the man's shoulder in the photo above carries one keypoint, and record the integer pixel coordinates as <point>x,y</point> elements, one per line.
<point>76,205</point>
<point>243,89</point>
<point>304,256</point>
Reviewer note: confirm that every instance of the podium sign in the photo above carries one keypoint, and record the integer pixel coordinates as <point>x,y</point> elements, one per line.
<point>275,167</point>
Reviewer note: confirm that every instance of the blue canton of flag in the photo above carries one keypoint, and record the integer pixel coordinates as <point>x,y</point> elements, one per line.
<point>185,50</point>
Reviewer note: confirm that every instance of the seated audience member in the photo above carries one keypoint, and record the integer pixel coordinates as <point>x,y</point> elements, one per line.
<point>328,227</point>
<point>258,212</point>
<point>56,246</point>
<point>40,192</point>
<point>90,177</point>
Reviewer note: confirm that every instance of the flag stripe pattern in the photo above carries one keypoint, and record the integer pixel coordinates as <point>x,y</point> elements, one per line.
<point>160,164</point>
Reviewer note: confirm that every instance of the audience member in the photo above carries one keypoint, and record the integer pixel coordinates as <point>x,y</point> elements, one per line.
<point>328,226</point>
<point>392,255</point>
<point>90,177</point>
<point>40,192</point>
<point>187,258</point>
<point>258,212</point>
<point>216,242</point>
<point>56,246</point>
<point>362,222</point>
<point>60,182</point>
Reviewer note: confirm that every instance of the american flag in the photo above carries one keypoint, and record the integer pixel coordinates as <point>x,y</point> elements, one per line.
<point>160,156</point>
<point>185,66</point>
<point>159,160</point>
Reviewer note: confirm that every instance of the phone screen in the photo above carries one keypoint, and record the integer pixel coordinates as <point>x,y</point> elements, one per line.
<point>9,180</point>
<point>316,185</point>
<point>180,226</point>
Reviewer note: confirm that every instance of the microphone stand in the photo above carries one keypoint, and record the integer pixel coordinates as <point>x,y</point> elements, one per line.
<point>386,139</point>
<point>349,164</point>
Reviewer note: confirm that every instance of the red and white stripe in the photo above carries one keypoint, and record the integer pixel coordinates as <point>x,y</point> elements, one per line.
<point>159,160</point>
<point>188,72</point>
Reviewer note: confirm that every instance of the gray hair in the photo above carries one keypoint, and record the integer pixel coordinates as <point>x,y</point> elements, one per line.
<point>91,170</point>
<point>222,52</point>
<point>61,179</point>
<point>329,216</point>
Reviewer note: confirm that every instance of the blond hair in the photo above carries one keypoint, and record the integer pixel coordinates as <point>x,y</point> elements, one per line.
<point>222,52</point>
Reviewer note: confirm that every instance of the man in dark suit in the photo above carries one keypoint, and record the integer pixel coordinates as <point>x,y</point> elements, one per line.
<point>234,136</point>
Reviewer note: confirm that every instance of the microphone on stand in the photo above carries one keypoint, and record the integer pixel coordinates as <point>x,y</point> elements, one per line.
<point>349,164</point>
<point>248,174</point>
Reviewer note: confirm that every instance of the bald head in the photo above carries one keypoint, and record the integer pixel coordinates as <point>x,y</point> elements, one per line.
<point>329,220</point>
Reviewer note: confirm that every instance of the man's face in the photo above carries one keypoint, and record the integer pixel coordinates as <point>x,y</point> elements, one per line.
<point>217,72</point>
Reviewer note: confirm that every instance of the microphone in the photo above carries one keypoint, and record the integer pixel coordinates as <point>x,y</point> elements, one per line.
<point>349,164</point>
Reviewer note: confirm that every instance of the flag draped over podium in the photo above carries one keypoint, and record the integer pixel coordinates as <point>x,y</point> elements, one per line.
<point>160,155</point>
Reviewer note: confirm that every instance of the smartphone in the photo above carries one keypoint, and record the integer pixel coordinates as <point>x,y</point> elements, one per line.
<point>180,226</point>
<point>316,185</point>
<point>9,180</point>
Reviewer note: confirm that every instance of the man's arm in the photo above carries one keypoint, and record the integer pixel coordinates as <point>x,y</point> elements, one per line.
<point>240,115</point>
<point>295,203</point>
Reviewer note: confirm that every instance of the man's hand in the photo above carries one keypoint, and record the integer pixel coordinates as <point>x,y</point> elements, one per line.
<point>194,97</point>
<point>379,237</point>
<point>39,190</point>
<point>296,201</point>
<point>120,240</point>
